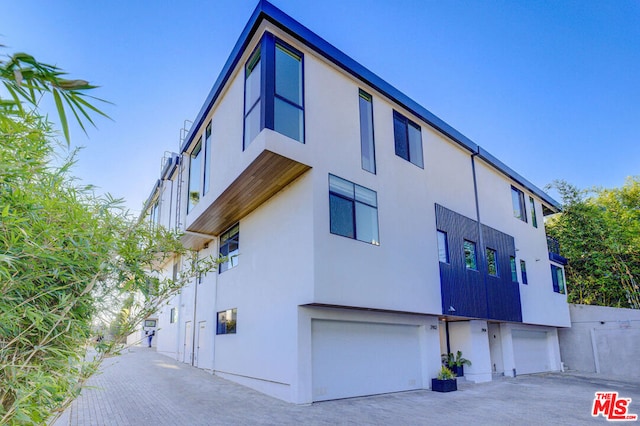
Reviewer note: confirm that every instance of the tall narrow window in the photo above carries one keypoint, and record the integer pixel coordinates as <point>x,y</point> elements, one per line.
<point>173,316</point>
<point>288,116</point>
<point>557,277</point>
<point>353,211</point>
<point>273,90</point>
<point>195,171</point>
<point>207,159</point>
<point>229,248</point>
<point>470,258</point>
<point>514,272</point>
<point>523,271</point>
<point>534,219</point>
<point>408,139</point>
<point>492,262</point>
<point>519,211</point>
<point>252,94</point>
<point>227,321</point>
<point>366,133</point>
<point>443,247</point>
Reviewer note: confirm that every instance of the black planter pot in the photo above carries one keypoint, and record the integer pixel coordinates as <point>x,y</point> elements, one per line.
<point>448,385</point>
<point>457,370</point>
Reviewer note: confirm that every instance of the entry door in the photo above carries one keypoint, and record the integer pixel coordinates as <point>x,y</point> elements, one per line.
<point>188,343</point>
<point>495,348</point>
<point>200,339</point>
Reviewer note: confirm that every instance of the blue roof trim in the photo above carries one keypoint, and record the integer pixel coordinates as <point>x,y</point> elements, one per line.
<point>169,166</point>
<point>147,203</point>
<point>266,10</point>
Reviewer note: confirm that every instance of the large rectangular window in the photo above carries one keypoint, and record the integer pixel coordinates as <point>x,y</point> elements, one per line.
<point>557,276</point>
<point>523,271</point>
<point>408,139</point>
<point>229,248</point>
<point>519,210</point>
<point>195,174</point>
<point>227,321</point>
<point>534,219</point>
<point>353,210</point>
<point>366,133</point>
<point>274,90</point>
<point>443,247</point>
<point>492,262</point>
<point>470,258</point>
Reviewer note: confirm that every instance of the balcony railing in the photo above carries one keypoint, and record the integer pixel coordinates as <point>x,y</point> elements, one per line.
<point>554,251</point>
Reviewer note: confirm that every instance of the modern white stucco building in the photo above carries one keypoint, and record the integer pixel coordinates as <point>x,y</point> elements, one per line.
<point>365,236</point>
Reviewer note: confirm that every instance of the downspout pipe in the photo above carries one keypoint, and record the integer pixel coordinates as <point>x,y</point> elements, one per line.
<point>481,248</point>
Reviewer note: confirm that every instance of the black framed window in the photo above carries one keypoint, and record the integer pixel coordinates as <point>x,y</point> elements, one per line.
<point>557,277</point>
<point>519,210</point>
<point>227,321</point>
<point>207,160</point>
<point>408,139</point>
<point>492,262</point>
<point>229,248</point>
<point>274,90</point>
<point>514,272</point>
<point>534,219</point>
<point>470,257</point>
<point>195,174</point>
<point>523,271</point>
<point>353,211</point>
<point>367,145</point>
<point>443,247</point>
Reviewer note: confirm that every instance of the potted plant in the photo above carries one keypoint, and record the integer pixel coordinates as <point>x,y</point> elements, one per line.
<point>455,362</point>
<point>445,382</point>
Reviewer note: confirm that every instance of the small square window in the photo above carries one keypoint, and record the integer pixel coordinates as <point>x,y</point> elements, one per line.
<point>443,247</point>
<point>353,211</point>
<point>227,321</point>
<point>470,258</point>
<point>492,262</point>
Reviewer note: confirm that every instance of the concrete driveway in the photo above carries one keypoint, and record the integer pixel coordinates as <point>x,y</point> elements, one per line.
<point>142,387</point>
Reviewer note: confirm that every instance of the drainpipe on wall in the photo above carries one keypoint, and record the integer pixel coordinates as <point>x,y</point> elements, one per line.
<point>482,249</point>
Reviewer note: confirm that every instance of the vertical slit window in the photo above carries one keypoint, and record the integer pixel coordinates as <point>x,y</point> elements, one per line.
<point>534,219</point>
<point>207,160</point>
<point>557,277</point>
<point>443,247</point>
<point>195,173</point>
<point>523,272</point>
<point>470,257</point>
<point>514,272</point>
<point>492,262</point>
<point>408,139</point>
<point>366,133</point>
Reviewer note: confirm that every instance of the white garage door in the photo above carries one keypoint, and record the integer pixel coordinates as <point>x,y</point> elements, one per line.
<point>530,350</point>
<point>356,359</point>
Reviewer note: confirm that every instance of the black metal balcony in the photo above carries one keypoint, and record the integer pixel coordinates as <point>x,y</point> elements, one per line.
<point>554,251</point>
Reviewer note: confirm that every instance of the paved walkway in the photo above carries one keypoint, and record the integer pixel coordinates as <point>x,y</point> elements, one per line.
<point>142,387</point>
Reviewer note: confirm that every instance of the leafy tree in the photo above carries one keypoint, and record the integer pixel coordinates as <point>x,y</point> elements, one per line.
<point>68,257</point>
<point>599,233</point>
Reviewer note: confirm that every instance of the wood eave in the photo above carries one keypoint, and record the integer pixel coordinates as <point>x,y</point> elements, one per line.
<point>262,179</point>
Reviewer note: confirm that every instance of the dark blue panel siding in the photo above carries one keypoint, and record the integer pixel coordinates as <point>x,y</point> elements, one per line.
<point>503,295</point>
<point>462,288</point>
<point>470,293</point>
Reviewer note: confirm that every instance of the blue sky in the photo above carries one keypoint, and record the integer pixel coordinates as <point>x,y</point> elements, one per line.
<point>551,88</point>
